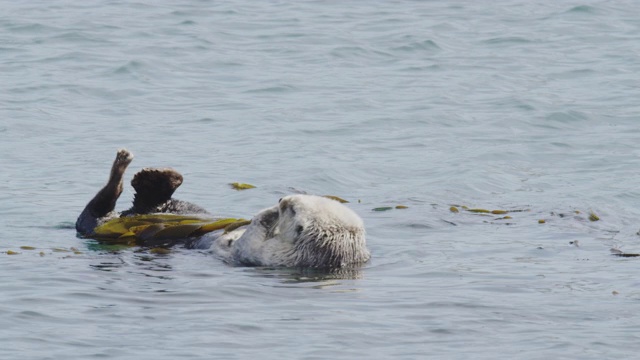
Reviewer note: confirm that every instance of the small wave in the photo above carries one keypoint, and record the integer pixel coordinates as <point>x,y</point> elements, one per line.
<point>349,51</point>
<point>7,50</point>
<point>272,89</point>
<point>574,73</point>
<point>304,275</point>
<point>433,67</point>
<point>507,40</point>
<point>567,116</point>
<point>65,225</point>
<point>582,9</point>
<point>32,29</point>
<point>423,46</point>
<point>265,37</point>
<point>77,37</point>
<point>129,68</point>
<point>207,120</point>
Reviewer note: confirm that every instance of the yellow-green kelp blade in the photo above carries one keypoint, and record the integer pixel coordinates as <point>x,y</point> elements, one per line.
<point>241,186</point>
<point>155,227</point>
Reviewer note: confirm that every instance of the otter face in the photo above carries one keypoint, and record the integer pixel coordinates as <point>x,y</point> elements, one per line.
<point>303,231</point>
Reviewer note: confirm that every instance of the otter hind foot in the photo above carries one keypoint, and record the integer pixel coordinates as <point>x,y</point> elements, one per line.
<point>154,186</point>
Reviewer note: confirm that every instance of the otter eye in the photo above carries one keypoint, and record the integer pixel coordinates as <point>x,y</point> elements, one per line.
<point>299,229</point>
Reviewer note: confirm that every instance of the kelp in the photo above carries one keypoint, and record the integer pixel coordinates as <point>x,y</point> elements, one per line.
<point>456,209</point>
<point>387,208</point>
<point>159,228</point>
<point>241,186</point>
<point>479,211</point>
<point>618,252</point>
<point>383,208</point>
<point>235,225</point>
<point>336,198</point>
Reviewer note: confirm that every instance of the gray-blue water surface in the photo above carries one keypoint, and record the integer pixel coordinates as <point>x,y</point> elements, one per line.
<point>508,105</point>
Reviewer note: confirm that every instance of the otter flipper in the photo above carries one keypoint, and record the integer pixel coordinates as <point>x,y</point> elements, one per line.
<point>154,188</point>
<point>102,205</point>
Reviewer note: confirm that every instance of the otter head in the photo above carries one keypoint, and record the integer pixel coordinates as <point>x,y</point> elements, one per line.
<point>303,231</point>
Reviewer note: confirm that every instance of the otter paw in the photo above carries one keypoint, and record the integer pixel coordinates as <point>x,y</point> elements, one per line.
<point>124,157</point>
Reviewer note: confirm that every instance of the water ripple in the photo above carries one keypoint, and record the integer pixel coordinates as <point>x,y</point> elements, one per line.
<point>506,105</point>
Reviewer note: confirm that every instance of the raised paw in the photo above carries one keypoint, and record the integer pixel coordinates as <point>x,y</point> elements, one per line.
<point>123,157</point>
<point>120,164</point>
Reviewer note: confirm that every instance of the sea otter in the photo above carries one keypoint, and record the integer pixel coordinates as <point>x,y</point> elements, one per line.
<point>300,231</point>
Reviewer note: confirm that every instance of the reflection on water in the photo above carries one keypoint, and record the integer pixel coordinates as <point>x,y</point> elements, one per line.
<point>117,257</point>
<point>302,275</point>
<point>107,265</point>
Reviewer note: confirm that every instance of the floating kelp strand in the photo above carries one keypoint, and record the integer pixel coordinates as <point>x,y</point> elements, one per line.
<point>479,211</point>
<point>190,221</point>
<point>236,225</point>
<point>216,225</point>
<point>176,232</point>
<point>241,186</point>
<point>149,231</point>
<point>336,198</point>
<point>618,252</point>
<point>140,229</point>
<point>456,208</point>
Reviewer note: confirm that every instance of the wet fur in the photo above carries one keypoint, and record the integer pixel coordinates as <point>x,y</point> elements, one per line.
<point>303,231</point>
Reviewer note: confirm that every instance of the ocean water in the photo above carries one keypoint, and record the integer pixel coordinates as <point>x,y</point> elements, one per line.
<point>530,107</point>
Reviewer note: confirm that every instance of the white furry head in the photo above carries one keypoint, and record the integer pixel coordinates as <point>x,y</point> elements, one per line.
<point>303,231</point>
